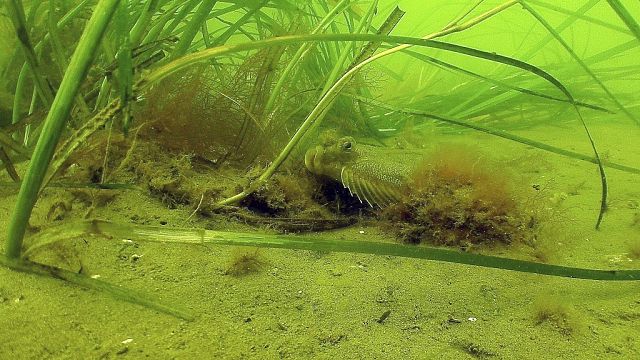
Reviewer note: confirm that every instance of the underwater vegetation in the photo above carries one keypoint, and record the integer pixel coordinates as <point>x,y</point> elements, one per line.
<point>554,312</point>
<point>459,198</point>
<point>245,262</point>
<point>219,108</point>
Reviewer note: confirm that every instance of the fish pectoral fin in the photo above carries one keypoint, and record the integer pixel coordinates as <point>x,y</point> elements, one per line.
<point>374,193</point>
<point>371,194</point>
<point>346,177</point>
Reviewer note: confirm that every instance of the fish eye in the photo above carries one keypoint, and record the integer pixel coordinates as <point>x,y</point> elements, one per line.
<point>347,145</point>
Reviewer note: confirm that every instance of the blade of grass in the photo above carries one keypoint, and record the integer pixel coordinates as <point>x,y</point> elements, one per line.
<point>28,131</point>
<point>66,19</point>
<point>159,24</point>
<point>193,27</point>
<point>182,14</point>
<point>580,16</point>
<point>53,125</point>
<point>59,54</point>
<point>584,66</point>
<point>533,50</point>
<point>73,13</point>
<point>290,71</point>
<point>116,291</point>
<point>385,29</point>
<point>15,59</point>
<point>241,30</point>
<point>366,52</point>
<point>603,177</point>
<point>16,13</point>
<point>206,36</point>
<point>501,83</point>
<point>141,26</point>
<point>626,17</point>
<point>232,30</point>
<point>134,232</point>
<point>610,53</point>
<point>8,165</point>
<point>8,142</point>
<point>18,95</point>
<point>80,137</point>
<point>123,55</point>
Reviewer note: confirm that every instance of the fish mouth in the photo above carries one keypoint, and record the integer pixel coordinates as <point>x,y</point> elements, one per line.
<point>312,159</point>
<point>309,158</point>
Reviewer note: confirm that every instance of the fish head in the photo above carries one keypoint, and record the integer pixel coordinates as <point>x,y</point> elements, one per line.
<point>331,157</point>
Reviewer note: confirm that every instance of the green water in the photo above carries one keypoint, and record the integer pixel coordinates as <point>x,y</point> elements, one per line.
<point>197,195</point>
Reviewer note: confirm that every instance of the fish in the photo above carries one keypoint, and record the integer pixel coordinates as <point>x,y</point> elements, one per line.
<point>376,175</point>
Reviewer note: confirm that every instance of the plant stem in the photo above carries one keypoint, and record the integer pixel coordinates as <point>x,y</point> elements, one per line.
<point>603,176</point>
<point>194,236</point>
<point>193,27</point>
<point>625,16</point>
<point>289,71</point>
<point>16,13</point>
<point>54,123</point>
<point>117,292</point>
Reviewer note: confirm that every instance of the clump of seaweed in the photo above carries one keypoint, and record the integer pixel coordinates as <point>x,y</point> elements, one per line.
<point>551,310</point>
<point>245,262</point>
<point>459,198</point>
<point>187,116</point>
<point>216,112</point>
<point>286,195</point>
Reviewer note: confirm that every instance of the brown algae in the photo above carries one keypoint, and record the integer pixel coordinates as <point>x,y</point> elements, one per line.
<point>460,198</point>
